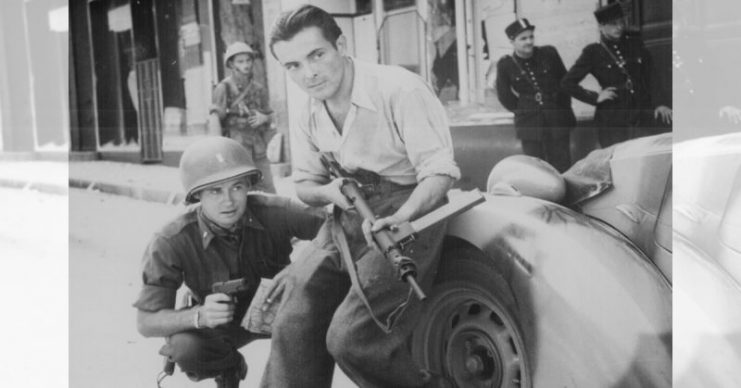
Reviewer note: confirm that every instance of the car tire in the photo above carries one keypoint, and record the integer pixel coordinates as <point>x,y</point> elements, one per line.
<point>468,332</point>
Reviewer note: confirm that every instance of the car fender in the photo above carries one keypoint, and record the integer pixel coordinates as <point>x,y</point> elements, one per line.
<point>593,309</point>
<point>707,257</point>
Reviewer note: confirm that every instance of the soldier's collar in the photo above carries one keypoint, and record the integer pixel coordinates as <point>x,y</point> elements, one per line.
<point>209,229</point>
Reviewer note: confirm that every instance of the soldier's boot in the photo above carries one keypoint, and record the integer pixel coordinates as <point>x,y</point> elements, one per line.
<point>231,378</point>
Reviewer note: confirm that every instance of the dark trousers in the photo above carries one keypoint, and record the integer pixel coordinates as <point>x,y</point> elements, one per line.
<point>554,150</point>
<point>322,320</point>
<point>608,136</point>
<point>622,125</point>
<point>207,353</point>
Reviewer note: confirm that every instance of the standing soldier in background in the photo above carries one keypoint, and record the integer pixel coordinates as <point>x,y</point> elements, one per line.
<point>528,84</point>
<point>621,64</point>
<point>241,110</point>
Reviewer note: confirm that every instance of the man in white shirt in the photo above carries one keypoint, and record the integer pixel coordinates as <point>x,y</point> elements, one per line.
<point>384,125</point>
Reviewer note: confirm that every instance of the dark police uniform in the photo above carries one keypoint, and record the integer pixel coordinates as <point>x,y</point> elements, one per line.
<point>624,64</point>
<point>530,88</point>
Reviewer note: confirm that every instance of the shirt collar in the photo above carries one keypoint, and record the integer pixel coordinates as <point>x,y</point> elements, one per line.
<point>359,95</point>
<point>206,230</point>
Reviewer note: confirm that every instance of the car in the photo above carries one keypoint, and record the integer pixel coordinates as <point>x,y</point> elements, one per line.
<point>707,260</point>
<point>559,280</point>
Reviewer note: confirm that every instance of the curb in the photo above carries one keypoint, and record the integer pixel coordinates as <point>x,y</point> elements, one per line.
<point>47,188</point>
<point>140,193</point>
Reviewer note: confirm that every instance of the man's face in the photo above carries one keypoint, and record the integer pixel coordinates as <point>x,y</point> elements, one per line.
<point>224,203</point>
<point>613,30</point>
<point>242,63</point>
<point>524,43</point>
<point>312,62</point>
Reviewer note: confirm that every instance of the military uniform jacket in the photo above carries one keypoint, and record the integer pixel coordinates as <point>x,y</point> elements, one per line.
<point>516,89</point>
<point>597,61</point>
<point>188,251</point>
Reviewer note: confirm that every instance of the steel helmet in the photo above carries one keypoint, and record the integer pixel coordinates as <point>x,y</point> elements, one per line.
<point>237,48</point>
<point>212,160</point>
<point>526,175</point>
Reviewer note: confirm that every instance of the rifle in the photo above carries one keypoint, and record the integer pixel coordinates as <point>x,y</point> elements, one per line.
<point>393,242</point>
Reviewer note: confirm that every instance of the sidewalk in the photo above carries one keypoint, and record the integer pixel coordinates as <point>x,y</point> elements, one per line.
<point>152,183</point>
<point>44,176</point>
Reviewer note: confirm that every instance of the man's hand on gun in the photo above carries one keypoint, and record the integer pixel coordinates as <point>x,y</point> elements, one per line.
<point>369,228</point>
<point>333,193</point>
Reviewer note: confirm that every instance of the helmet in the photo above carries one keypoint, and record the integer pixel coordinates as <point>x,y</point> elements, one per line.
<point>237,48</point>
<point>526,175</point>
<point>212,160</point>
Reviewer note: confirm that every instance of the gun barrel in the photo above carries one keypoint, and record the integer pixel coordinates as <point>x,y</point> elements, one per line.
<point>384,239</point>
<point>417,289</point>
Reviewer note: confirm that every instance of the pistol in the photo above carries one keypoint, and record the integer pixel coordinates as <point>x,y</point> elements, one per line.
<point>231,287</point>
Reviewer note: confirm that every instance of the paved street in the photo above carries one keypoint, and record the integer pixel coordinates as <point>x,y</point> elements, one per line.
<point>107,237</point>
<point>33,281</point>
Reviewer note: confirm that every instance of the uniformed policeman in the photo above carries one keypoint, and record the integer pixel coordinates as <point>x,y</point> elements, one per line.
<point>621,65</point>
<point>528,84</point>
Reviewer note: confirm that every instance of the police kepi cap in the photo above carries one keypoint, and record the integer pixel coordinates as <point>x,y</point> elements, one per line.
<point>609,13</point>
<point>517,27</point>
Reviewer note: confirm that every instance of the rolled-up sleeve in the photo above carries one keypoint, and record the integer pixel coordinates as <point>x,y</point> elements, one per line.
<point>161,277</point>
<point>426,133</point>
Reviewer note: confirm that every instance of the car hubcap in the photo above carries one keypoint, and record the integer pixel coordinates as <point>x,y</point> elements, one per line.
<point>473,341</point>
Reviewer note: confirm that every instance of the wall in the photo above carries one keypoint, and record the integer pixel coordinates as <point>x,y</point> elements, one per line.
<point>15,96</point>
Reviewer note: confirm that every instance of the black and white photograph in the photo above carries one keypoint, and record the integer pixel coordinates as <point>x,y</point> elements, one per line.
<point>371,193</point>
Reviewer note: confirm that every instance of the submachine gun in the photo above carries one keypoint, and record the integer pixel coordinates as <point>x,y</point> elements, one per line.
<point>393,242</point>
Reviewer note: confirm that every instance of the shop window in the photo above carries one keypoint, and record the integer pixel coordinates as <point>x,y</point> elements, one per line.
<point>401,42</point>
<point>444,50</point>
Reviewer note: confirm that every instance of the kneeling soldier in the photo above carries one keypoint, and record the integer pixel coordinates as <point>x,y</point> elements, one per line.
<point>230,234</point>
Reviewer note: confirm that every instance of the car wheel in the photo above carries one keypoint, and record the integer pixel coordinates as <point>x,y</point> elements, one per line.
<point>468,333</point>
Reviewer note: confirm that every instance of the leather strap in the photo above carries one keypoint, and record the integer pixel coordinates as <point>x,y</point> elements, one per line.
<point>338,235</point>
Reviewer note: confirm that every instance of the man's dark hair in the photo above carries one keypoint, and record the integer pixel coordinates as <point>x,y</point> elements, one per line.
<point>290,23</point>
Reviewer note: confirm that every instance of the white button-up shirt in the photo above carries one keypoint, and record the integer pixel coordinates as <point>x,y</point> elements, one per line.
<point>396,127</point>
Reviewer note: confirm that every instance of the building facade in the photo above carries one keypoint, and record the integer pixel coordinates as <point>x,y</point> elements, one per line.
<point>34,114</point>
<point>144,69</point>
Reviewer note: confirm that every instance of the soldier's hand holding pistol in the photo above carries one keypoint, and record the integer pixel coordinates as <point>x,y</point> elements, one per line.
<point>218,309</point>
